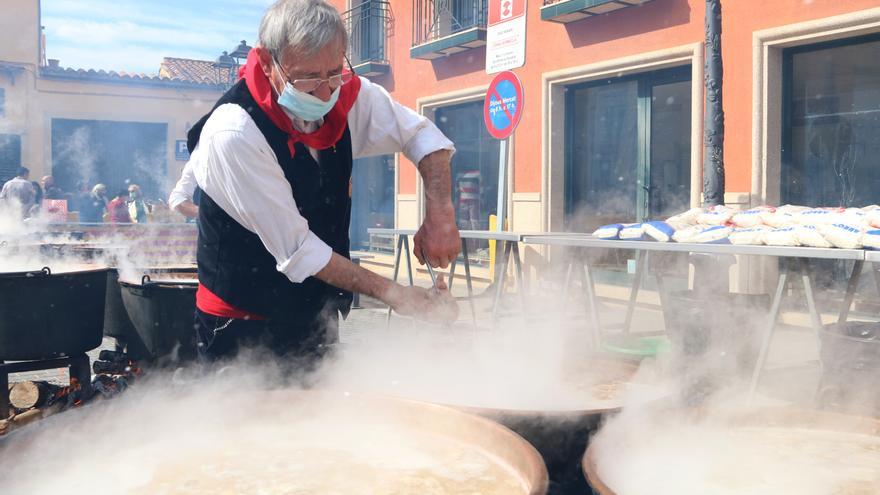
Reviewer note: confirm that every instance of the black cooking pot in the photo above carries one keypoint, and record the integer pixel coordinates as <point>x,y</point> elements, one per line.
<point>161,306</point>
<point>45,314</point>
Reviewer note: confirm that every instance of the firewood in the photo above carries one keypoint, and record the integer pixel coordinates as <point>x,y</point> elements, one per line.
<point>27,417</point>
<point>111,368</point>
<point>25,395</point>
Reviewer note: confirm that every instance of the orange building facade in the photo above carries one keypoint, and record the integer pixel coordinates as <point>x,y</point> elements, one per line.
<point>613,119</point>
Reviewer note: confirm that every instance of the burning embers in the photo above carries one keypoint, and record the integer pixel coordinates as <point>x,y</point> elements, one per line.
<point>30,401</point>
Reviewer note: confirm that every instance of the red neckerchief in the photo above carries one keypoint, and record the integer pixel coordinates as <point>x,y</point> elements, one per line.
<point>334,124</point>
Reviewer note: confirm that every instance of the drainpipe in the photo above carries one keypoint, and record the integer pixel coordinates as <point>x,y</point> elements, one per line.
<point>713,141</point>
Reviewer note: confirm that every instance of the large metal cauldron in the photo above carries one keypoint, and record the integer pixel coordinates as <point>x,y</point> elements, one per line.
<point>45,314</point>
<point>399,421</point>
<point>562,436</point>
<point>796,419</point>
<point>160,305</point>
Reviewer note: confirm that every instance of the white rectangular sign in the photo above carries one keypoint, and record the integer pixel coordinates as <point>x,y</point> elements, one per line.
<point>506,35</point>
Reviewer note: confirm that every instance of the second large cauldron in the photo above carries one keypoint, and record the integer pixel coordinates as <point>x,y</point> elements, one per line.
<point>766,451</point>
<point>160,304</point>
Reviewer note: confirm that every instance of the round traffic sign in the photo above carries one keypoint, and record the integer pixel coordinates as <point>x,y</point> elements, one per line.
<point>503,107</point>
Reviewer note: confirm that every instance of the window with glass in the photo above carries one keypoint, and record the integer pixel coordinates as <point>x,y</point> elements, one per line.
<point>831,124</point>
<point>628,149</point>
<point>10,156</point>
<point>114,153</point>
<point>372,201</point>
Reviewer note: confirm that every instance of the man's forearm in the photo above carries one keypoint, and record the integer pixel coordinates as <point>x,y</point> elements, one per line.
<point>341,272</point>
<point>437,178</point>
<point>187,209</point>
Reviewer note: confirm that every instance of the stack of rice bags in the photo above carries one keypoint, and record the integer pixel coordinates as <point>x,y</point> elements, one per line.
<point>789,225</point>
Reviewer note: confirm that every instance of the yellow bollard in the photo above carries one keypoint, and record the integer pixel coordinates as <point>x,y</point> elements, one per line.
<point>493,221</point>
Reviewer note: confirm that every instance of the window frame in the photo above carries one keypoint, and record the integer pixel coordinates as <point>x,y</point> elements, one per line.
<point>646,81</point>
<point>786,152</point>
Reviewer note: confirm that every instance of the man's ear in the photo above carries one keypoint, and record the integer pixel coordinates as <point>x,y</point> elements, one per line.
<point>265,59</point>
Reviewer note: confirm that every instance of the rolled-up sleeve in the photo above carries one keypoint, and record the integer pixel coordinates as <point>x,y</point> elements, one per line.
<point>379,125</point>
<point>185,187</point>
<point>246,181</point>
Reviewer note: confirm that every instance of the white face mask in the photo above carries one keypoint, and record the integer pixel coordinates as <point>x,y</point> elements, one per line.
<point>305,106</point>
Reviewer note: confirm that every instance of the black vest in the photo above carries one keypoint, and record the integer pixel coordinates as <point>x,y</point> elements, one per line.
<point>232,261</point>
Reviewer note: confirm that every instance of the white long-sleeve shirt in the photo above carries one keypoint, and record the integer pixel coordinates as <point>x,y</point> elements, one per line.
<point>236,167</point>
<point>185,187</point>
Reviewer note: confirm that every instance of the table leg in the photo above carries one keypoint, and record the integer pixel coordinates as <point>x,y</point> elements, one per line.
<point>641,262</point>
<point>768,334</point>
<point>400,239</point>
<point>566,283</point>
<point>451,274</point>
<point>815,318</point>
<point>876,269</point>
<point>409,270</point>
<point>592,303</point>
<point>851,288</point>
<point>499,282</point>
<point>521,280</point>
<point>469,281</point>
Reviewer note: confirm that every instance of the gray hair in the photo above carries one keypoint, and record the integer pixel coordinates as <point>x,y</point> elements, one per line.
<point>305,26</point>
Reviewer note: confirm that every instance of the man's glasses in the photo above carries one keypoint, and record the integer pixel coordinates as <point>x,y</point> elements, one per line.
<point>310,85</point>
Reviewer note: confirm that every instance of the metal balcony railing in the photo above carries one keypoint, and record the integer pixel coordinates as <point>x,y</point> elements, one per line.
<point>435,19</point>
<point>367,24</point>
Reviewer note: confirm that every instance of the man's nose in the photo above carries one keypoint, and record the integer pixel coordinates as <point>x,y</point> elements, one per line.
<point>323,92</point>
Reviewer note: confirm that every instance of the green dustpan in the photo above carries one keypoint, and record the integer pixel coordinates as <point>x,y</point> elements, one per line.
<point>635,346</point>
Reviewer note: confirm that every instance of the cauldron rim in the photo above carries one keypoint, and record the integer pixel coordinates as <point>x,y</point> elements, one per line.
<point>768,417</point>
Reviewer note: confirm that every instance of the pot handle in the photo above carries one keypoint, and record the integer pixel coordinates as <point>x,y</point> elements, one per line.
<point>44,272</point>
<point>145,280</point>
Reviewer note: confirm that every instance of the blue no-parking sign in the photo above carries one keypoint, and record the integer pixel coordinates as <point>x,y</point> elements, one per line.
<point>503,107</point>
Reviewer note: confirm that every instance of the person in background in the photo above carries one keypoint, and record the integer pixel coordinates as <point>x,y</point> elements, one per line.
<point>183,197</point>
<point>117,209</point>
<point>38,198</point>
<point>80,197</point>
<point>94,205</point>
<point>50,191</point>
<point>19,192</point>
<point>137,207</point>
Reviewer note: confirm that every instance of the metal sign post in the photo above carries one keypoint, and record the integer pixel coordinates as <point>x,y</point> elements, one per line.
<point>502,112</point>
<point>502,181</point>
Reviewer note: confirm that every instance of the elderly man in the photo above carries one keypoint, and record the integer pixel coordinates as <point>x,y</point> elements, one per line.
<point>19,192</point>
<point>273,162</point>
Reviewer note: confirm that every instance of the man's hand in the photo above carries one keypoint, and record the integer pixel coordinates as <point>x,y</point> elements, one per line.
<point>437,239</point>
<point>434,304</point>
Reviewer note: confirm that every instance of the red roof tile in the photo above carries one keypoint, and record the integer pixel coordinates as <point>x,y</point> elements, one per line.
<point>197,71</point>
